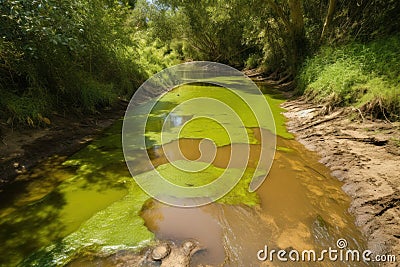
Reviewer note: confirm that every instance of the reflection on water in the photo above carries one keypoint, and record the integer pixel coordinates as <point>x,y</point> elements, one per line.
<point>175,120</point>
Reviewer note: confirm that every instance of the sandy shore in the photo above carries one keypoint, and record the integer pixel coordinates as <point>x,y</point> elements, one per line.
<point>365,155</point>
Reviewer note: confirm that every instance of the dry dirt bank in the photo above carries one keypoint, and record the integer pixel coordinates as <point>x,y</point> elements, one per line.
<point>365,155</point>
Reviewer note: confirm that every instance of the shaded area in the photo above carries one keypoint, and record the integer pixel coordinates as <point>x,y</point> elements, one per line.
<point>23,233</point>
<point>59,195</point>
<point>22,150</point>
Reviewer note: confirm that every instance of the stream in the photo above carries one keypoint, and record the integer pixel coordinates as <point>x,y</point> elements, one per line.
<point>82,210</point>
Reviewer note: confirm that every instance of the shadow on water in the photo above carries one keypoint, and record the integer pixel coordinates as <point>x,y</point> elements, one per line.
<point>24,232</point>
<point>53,200</point>
<point>271,92</point>
<point>34,185</point>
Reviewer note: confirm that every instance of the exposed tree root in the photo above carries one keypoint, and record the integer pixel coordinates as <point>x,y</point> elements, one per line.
<point>283,81</point>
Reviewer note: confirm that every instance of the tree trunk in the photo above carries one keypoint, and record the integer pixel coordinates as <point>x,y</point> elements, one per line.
<point>297,32</point>
<point>329,17</point>
<point>294,24</point>
<point>296,15</point>
<point>279,11</point>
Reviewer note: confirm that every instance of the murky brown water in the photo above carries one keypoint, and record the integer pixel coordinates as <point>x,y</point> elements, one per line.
<point>199,150</point>
<point>302,207</point>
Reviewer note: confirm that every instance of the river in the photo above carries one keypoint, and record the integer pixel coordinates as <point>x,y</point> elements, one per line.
<point>68,211</point>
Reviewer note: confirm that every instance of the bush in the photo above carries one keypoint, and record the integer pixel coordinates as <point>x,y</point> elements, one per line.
<point>366,76</point>
<point>253,61</point>
<point>59,54</point>
<point>26,109</point>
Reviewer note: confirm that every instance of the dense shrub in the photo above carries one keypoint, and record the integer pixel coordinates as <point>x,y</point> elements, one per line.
<point>58,54</point>
<point>366,76</point>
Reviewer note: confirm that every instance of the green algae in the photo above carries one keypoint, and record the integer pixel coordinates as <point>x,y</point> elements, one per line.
<point>183,178</point>
<point>101,202</point>
<point>284,149</point>
<point>119,226</point>
<point>212,128</point>
<point>240,193</point>
<point>88,185</point>
<point>207,175</point>
<point>218,104</point>
<point>275,99</point>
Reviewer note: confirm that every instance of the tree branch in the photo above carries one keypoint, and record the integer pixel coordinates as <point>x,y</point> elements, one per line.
<point>279,11</point>
<point>329,17</point>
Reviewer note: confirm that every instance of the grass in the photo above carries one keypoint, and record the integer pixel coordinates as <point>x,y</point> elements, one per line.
<point>26,109</point>
<point>365,76</point>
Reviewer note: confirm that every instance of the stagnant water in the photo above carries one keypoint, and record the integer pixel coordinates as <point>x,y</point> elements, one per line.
<point>66,209</point>
<point>302,207</point>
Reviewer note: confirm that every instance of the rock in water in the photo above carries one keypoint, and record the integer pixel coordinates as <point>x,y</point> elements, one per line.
<point>180,255</point>
<point>188,247</point>
<point>160,252</point>
<point>163,254</point>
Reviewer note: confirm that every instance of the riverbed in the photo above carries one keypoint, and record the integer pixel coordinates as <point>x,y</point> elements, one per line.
<point>88,204</point>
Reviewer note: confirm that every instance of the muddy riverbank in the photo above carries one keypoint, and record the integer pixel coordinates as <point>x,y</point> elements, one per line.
<point>21,149</point>
<point>365,155</point>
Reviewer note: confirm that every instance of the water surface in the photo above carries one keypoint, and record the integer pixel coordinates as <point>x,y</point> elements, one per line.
<point>67,208</point>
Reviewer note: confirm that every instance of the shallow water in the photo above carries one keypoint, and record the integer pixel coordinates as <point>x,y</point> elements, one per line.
<point>302,207</point>
<point>91,201</point>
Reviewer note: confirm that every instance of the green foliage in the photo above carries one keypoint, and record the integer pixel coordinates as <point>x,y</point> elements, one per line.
<point>92,94</point>
<point>272,32</point>
<point>26,109</point>
<point>365,20</point>
<point>212,30</point>
<point>153,45</point>
<point>58,54</point>
<point>253,61</point>
<point>154,56</point>
<point>364,75</point>
<point>69,52</point>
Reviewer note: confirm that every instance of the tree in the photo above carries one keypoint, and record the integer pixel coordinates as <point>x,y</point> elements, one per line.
<point>294,26</point>
<point>60,53</point>
<point>329,17</point>
<point>213,30</point>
